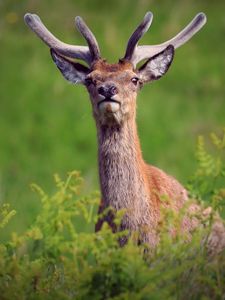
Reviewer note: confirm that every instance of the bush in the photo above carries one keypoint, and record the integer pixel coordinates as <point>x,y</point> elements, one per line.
<point>55,259</point>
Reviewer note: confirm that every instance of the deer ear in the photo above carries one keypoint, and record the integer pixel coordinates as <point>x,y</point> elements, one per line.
<point>156,66</point>
<point>74,72</point>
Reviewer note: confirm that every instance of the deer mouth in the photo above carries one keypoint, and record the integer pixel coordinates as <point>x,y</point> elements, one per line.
<point>109,105</point>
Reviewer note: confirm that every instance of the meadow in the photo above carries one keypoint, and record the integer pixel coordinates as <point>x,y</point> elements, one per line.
<point>46,124</point>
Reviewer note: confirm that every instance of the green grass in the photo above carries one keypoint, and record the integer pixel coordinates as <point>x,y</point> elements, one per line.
<point>46,124</point>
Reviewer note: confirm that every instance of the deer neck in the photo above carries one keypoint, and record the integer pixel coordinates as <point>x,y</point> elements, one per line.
<point>121,167</point>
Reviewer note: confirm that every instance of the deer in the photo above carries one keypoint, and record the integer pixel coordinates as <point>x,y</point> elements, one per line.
<point>126,180</point>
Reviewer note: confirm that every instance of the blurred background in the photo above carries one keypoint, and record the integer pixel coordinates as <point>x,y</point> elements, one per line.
<point>46,124</point>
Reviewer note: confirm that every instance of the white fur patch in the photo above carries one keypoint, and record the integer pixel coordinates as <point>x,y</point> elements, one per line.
<point>159,65</point>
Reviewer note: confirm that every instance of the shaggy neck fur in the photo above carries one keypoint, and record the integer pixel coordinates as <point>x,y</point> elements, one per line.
<point>122,174</point>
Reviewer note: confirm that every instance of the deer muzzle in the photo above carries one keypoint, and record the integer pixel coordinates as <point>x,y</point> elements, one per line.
<point>109,105</point>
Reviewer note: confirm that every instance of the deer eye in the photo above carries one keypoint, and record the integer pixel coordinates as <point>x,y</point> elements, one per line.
<point>89,81</point>
<point>135,80</point>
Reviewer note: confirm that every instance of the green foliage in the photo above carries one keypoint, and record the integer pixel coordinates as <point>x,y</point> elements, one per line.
<point>5,215</point>
<point>57,259</point>
<point>208,182</point>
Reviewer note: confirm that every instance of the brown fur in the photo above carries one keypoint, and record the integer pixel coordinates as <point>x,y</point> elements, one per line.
<point>102,66</point>
<point>126,181</point>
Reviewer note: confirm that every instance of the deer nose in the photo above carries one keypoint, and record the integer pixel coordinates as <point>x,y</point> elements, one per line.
<point>108,90</point>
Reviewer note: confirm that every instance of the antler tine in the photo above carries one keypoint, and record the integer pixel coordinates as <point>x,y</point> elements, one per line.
<point>89,36</point>
<point>144,52</point>
<point>79,52</point>
<point>137,34</point>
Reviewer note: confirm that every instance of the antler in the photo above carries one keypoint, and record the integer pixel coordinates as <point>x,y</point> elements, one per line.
<point>136,53</point>
<point>88,54</point>
<point>137,34</point>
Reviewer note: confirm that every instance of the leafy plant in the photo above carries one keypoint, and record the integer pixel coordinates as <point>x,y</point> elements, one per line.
<point>56,258</point>
<point>208,181</point>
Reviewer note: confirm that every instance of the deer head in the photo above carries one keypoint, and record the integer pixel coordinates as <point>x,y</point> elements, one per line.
<point>113,87</point>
